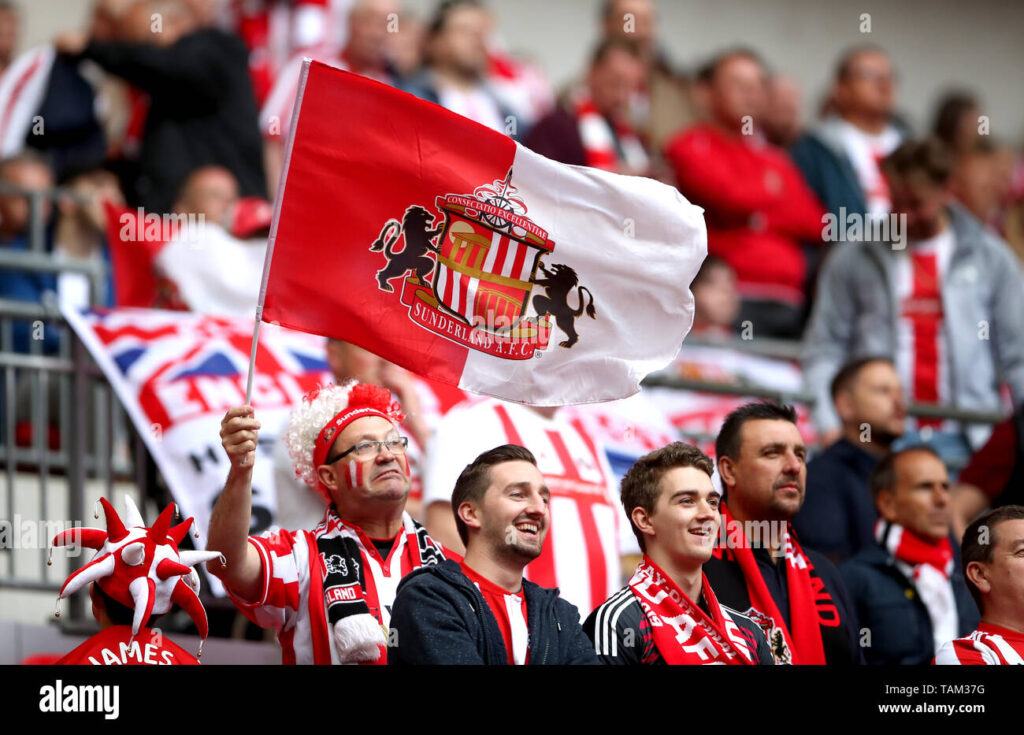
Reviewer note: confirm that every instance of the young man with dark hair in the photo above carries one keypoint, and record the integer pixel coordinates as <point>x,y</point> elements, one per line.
<point>838,515</point>
<point>993,563</point>
<point>454,74</point>
<point>793,593</point>
<point>907,587</point>
<point>668,613</point>
<point>482,611</point>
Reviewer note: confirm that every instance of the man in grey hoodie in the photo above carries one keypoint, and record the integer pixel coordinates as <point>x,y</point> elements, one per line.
<point>944,299</point>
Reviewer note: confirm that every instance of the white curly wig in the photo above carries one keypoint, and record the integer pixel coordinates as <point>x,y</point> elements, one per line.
<point>308,418</point>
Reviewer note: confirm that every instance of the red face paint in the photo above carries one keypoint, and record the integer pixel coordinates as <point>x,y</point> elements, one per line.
<point>354,474</point>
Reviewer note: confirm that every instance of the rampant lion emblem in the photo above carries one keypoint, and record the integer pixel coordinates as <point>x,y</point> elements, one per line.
<point>560,281</point>
<point>335,564</point>
<point>415,230</point>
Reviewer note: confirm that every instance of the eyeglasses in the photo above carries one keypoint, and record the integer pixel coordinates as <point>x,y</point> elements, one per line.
<point>368,449</point>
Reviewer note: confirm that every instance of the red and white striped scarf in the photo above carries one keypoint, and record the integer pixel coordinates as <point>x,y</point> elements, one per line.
<point>911,549</point>
<point>803,635</point>
<point>683,633</point>
<point>598,134</point>
<point>929,566</point>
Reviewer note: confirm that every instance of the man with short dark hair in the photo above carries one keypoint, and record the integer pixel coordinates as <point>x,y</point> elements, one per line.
<point>942,300</point>
<point>593,129</point>
<point>909,594</point>
<point>668,613</point>
<point>482,610</point>
<point>993,563</point>
<point>662,105</point>
<point>838,515</point>
<point>454,72</point>
<point>793,593</point>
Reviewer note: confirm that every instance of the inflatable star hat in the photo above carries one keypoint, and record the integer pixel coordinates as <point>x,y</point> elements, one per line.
<point>140,567</point>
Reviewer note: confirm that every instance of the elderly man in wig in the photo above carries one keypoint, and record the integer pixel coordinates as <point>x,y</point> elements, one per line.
<point>328,591</point>
<point>137,575</point>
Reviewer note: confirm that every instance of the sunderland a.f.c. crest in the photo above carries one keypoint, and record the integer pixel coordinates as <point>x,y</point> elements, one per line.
<point>469,271</point>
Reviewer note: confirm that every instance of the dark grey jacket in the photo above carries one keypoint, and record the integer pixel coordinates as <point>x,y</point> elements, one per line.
<point>855,315</point>
<point>440,617</point>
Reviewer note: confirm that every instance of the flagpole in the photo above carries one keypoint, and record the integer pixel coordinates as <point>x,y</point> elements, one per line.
<point>296,109</point>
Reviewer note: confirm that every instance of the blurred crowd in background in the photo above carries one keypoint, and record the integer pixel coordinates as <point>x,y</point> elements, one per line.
<point>191,116</point>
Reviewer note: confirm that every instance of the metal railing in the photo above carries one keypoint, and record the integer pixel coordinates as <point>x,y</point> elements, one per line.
<point>64,438</point>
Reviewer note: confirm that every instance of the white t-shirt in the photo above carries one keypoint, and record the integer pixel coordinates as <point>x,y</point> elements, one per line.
<point>581,551</point>
<point>477,104</point>
<point>865,152</point>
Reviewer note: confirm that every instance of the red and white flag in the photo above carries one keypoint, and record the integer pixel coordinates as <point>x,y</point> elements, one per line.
<point>451,250</point>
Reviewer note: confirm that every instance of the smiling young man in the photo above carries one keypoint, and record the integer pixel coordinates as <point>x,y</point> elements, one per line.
<point>992,555</point>
<point>668,613</point>
<point>327,592</point>
<point>482,610</point>
<point>796,595</point>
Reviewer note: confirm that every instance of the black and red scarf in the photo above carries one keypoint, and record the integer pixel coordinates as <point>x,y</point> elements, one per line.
<point>803,640</point>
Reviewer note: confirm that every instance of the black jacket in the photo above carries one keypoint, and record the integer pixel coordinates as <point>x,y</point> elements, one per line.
<point>440,617</point>
<point>838,515</point>
<point>202,112</point>
<point>889,607</point>
<point>836,616</point>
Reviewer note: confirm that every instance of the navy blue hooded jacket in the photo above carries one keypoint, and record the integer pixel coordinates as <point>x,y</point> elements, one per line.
<point>440,617</point>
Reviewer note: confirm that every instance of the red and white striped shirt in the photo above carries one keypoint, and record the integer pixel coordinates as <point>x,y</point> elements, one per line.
<point>989,645</point>
<point>509,610</point>
<point>291,598</point>
<point>922,351</point>
<point>581,551</point>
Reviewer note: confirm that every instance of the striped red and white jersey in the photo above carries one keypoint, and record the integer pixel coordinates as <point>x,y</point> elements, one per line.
<point>581,552</point>
<point>989,645</point>
<point>274,31</point>
<point>922,358</point>
<point>291,598</point>
<point>23,85</point>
